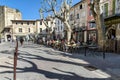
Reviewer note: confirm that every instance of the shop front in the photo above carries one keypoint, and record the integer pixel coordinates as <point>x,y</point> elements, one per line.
<point>91,36</point>
<point>112,24</point>
<point>78,34</point>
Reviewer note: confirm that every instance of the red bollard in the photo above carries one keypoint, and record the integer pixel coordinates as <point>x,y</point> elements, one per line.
<point>15,60</point>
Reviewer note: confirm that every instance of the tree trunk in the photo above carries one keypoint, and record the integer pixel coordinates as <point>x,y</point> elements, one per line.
<point>99,25</point>
<point>69,32</point>
<point>68,37</point>
<point>95,7</point>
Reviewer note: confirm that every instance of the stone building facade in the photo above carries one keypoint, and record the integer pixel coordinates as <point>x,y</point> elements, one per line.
<point>21,28</point>
<point>59,29</point>
<point>6,15</point>
<point>111,13</point>
<point>28,28</point>
<point>12,26</point>
<point>91,25</point>
<point>78,20</point>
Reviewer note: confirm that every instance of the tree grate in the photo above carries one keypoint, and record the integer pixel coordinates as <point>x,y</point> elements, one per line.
<point>90,68</point>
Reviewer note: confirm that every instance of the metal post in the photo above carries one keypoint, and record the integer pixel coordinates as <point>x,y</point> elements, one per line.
<point>104,51</point>
<point>85,50</point>
<point>103,55</point>
<point>15,60</point>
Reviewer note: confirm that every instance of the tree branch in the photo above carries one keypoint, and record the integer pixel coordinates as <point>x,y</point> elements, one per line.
<point>45,23</point>
<point>92,5</point>
<point>57,16</point>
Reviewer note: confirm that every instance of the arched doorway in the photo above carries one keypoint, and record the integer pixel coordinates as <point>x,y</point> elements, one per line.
<point>111,32</point>
<point>111,38</point>
<point>8,37</point>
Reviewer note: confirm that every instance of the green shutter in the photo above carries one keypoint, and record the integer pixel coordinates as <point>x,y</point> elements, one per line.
<point>113,6</point>
<point>106,9</point>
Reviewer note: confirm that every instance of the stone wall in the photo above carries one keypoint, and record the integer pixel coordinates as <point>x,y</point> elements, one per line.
<point>6,15</point>
<point>2,24</point>
<point>11,14</point>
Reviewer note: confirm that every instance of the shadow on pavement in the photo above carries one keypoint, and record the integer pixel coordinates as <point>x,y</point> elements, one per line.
<point>48,74</point>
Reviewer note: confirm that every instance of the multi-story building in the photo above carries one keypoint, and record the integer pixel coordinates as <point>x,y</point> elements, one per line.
<point>91,25</point>
<point>111,14</point>
<point>51,27</point>
<point>25,28</point>
<point>78,20</point>
<point>6,15</point>
<point>21,28</point>
<point>12,26</point>
<point>59,29</point>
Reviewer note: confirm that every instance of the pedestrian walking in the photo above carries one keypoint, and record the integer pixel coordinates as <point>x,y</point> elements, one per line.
<point>21,41</point>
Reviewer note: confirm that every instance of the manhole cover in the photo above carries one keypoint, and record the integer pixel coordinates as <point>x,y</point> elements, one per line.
<point>90,68</point>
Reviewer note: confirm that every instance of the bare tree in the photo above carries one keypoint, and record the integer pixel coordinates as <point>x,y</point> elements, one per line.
<point>50,19</point>
<point>95,8</point>
<point>62,6</point>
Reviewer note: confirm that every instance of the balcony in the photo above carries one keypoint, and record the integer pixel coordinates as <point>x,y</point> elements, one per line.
<point>112,17</point>
<point>79,29</point>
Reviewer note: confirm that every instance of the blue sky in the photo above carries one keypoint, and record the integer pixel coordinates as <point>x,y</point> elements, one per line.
<point>28,8</point>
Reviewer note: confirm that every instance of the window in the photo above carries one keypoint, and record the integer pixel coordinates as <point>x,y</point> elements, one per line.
<point>28,29</point>
<point>91,1</point>
<point>22,23</point>
<point>27,23</point>
<point>106,9</point>
<point>47,22</point>
<point>20,29</point>
<point>52,22</point>
<point>90,13</point>
<point>118,26</point>
<point>33,23</point>
<point>83,24</point>
<point>92,25</point>
<point>81,6</point>
<point>118,10</point>
<point>61,28</point>
<point>77,16</point>
<point>16,23</point>
<point>102,8</point>
<point>71,17</point>
<point>58,28</point>
<point>40,22</point>
<point>58,22</point>
<point>40,29</point>
<point>61,22</point>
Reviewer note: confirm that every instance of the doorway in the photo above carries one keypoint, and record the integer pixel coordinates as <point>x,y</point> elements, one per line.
<point>9,38</point>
